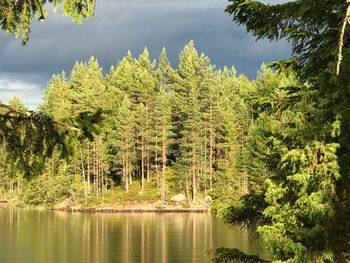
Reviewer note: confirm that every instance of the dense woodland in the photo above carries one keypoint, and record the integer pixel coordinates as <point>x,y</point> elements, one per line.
<point>163,131</point>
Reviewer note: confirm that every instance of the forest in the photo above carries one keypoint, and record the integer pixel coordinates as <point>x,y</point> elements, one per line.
<point>163,131</point>
<point>272,153</point>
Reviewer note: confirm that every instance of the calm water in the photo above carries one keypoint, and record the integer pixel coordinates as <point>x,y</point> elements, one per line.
<point>31,236</point>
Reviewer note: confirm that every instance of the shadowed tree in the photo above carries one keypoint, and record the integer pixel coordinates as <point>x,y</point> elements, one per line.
<point>302,209</point>
<point>17,16</point>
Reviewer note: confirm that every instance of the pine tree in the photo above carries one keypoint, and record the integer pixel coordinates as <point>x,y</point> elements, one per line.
<point>88,87</point>
<point>141,134</point>
<point>58,98</point>
<point>191,83</point>
<point>122,138</point>
<point>146,90</point>
<point>162,134</point>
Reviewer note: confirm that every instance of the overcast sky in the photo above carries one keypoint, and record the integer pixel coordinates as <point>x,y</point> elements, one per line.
<point>122,25</point>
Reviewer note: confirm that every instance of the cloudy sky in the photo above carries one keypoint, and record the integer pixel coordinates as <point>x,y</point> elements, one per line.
<point>122,25</point>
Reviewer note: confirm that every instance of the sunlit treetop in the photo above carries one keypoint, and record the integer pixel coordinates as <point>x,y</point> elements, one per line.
<point>16,16</point>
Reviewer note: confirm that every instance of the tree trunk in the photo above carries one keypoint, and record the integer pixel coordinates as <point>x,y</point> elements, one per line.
<point>164,161</point>
<point>211,150</point>
<point>126,170</point>
<point>83,174</point>
<point>148,169</point>
<point>193,170</point>
<point>156,164</point>
<point>88,170</point>
<point>142,164</point>
<point>205,163</point>
<point>97,169</point>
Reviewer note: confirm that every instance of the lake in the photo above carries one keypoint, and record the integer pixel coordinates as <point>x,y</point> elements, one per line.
<point>33,236</point>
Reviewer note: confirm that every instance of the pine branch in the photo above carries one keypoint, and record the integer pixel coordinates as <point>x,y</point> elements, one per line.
<point>231,255</point>
<point>341,41</point>
<point>31,114</point>
<point>11,109</point>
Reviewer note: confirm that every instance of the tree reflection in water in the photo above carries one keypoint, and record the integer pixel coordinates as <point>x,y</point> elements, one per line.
<point>32,236</point>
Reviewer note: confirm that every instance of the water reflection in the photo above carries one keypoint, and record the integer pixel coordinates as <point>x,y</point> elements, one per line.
<point>30,236</point>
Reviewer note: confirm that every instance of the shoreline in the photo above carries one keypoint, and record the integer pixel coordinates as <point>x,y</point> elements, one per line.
<point>132,210</point>
<point>117,208</point>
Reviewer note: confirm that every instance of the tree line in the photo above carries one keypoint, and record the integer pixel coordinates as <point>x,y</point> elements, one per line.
<point>183,130</point>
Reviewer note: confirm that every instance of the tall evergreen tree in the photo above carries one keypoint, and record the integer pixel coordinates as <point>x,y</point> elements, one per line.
<point>123,138</point>
<point>301,211</point>
<point>57,98</point>
<point>187,115</point>
<point>162,134</point>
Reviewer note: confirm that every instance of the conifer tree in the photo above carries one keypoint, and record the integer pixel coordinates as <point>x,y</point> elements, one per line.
<point>162,134</point>
<point>187,106</point>
<point>88,91</point>
<point>191,83</point>
<point>122,136</point>
<point>57,98</point>
<point>294,145</point>
<point>147,87</point>
<point>87,85</point>
<point>228,179</point>
<point>141,135</point>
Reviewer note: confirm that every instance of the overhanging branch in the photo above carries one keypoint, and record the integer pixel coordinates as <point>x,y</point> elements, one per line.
<point>30,115</point>
<point>12,109</point>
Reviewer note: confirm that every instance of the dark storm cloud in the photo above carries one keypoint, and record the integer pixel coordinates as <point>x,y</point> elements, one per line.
<point>121,25</point>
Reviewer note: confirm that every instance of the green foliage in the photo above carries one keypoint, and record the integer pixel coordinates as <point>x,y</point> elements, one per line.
<point>29,137</point>
<point>312,27</point>
<point>298,143</point>
<point>226,255</point>
<point>247,211</point>
<point>49,190</point>
<point>302,206</point>
<point>17,16</point>
<point>144,125</point>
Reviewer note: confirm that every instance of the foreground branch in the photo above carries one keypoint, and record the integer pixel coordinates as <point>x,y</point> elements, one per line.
<point>31,115</point>
<point>231,255</point>
<point>11,109</point>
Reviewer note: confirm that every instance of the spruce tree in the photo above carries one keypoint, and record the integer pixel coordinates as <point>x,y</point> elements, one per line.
<point>302,208</point>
